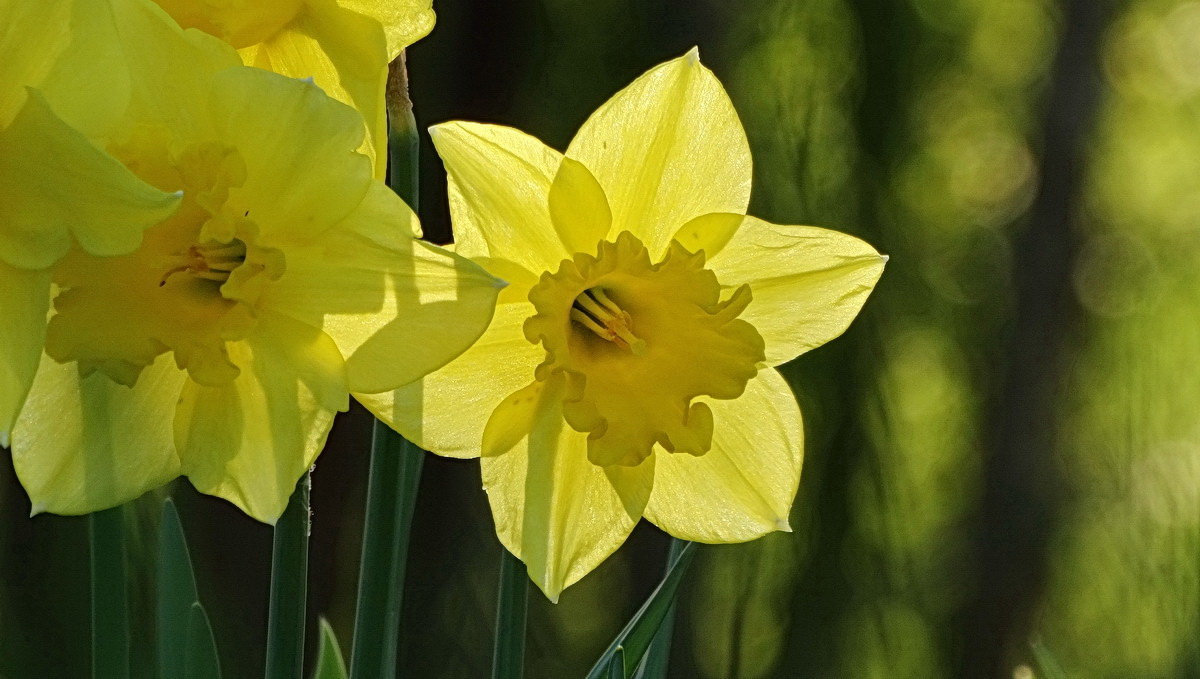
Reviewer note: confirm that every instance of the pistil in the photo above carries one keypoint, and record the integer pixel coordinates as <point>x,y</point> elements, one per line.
<point>596,311</point>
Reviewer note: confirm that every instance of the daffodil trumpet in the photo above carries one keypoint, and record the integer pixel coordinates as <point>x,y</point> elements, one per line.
<point>629,370</point>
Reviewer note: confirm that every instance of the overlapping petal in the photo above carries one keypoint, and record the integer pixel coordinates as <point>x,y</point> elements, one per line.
<point>33,35</point>
<point>55,187</point>
<point>554,509</point>
<point>23,307</point>
<point>809,283</point>
<point>382,295</point>
<point>250,440</point>
<point>446,411</point>
<point>345,54</point>
<point>742,488</point>
<point>87,443</point>
<point>499,187</point>
<point>666,149</point>
<point>404,21</point>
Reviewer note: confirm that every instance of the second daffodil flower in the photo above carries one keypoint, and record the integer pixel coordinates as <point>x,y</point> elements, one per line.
<point>628,371</point>
<point>222,347</point>
<point>343,45</point>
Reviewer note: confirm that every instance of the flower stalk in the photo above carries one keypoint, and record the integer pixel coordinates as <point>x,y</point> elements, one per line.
<point>512,600</point>
<point>289,587</point>
<point>395,467</point>
<point>110,613</point>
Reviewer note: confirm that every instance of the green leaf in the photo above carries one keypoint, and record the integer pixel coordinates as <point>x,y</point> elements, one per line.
<point>330,664</point>
<point>288,598</point>
<point>631,644</point>
<point>200,659</point>
<point>654,663</point>
<point>176,585</point>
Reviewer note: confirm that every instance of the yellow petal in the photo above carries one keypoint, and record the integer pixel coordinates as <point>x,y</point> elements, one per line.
<point>445,412</point>
<point>170,71</point>
<point>578,207</point>
<point>404,21</point>
<point>398,308</point>
<point>743,487</point>
<point>345,54</point>
<point>33,37</point>
<point>83,445</point>
<point>239,23</point>
<point>808,283</point>
<point>23,306</point>
<point>667,148</point>
<point>556,511</point>
<point>499,188</point>
<point>292,191</point>
<point>709,233</point>
<point>90,84</point>
<point>56,185</point>
<point>250,440</point>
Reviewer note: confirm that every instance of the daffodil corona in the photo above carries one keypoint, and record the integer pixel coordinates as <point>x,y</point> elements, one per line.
<point>223,344</point>
<point>343,45</point>
<point>628,371</point>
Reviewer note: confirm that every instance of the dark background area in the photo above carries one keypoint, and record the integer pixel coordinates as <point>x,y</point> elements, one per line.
<point>1003,449</point>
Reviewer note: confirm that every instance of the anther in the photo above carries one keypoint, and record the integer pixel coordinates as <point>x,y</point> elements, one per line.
<point>596,311</point>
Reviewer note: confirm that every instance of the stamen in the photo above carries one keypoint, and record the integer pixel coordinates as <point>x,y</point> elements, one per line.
<point>207,262</point>
<point>596,311</point>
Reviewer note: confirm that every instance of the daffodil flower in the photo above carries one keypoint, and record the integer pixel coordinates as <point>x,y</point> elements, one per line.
<point>343,45</point>
<point>222,347</point>
<point>629,369</point>
<point>56,187</point>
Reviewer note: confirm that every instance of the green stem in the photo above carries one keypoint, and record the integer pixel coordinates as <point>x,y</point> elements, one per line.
<point>395,463</point>
<point>289,587</point>
<point>391,498</point>
<point>508,659</point>
<point>110,614</point>
<point>654,664</point>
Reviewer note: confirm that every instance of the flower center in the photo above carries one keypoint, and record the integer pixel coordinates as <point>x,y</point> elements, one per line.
<point>639,344</point>
<point>211,262</point>
<point>594,310</point>
<point>188,290</point>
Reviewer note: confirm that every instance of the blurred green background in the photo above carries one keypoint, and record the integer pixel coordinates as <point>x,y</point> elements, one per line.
<point>1004,450</point>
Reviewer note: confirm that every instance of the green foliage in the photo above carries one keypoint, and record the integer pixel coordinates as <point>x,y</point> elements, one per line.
<point>623,655</point>
<point>186,647</point>
<point>330,664</point>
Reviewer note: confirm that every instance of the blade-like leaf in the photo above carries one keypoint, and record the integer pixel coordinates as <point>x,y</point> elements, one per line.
<point>200,649</point>
<point>110,608</point>
<point>330,664</point>
<point>176,593</point>
<point>616,665</point>
<point>632,642</point>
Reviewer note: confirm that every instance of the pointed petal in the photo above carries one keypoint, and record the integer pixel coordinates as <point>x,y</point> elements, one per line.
<point>578,207</point>
<point>345,54</point>
<point>499,187</point>
<point>808,283</point>
<point>743,487</point>
<point>445,413</point>
<point>667,148</point>
<point>23,306</point>
<point>404,21</point>
<point>710,233</point>
<point>90,86</point>
<point>398,308</point>
<point>57,185</point>
<point>293,191</point>
<point>86,444</point>
<point>251,440</point>
<point>556,511</point>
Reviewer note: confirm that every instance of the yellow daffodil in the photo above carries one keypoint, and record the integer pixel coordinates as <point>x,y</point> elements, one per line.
<point>343,45</point>
<point>628,371</point>
<point>56,187</point>
<point>222,347</point>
